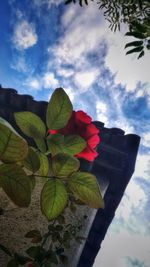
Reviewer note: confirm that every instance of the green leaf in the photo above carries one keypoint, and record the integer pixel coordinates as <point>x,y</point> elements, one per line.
<point>84,186</point>
<point>30,124</point>
<point>141,54</point>
<point>63,165</point>
<point>21,259</point>
<point>52,256</point>
<point>6,250</point>
<point>32,161</point>
<point>135,34</point>
<point>16,184</point>
<point>135,50</point>
<point>44,164</point>
<point>74,144</point>
<point>32,234</point>
<point>12,146</point>
<point>59,110</point>
<point>148,46</point>
<point>134,43</point>
<point>35,235</point>
<point>139,27</point>
<point>35,252</point>
<point>40,142</point>
<point>13,263</point>
<point>70,144</point>
<point>53,198</point>
<point>68,2</point>
<point>55,143</point>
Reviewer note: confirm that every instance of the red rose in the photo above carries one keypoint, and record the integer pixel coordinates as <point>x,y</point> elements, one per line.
<point>80,124</point>
<point>29,264</point>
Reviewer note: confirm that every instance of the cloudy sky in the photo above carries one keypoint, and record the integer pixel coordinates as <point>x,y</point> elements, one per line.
<point>44,45</point>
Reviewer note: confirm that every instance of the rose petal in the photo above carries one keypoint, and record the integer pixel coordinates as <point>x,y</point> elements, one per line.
<point>91,129</point>
<point>80,124</point>
<point>52,131</point>
<point>93,141</point>
<point>87,154</point>
<point>81,116</point>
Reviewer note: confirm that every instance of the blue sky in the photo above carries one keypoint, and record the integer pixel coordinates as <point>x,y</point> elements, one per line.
<point>44,45</point>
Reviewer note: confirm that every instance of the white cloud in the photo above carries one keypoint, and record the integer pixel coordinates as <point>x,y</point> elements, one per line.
<point>33,83</point>
<point>24,35</point>
<point>85,79</point>
<point>49,3</point>
<point>69,16</point>
<point>70,92</point>
<point>19,63</point>
<point>45,81</point>
<point>146,139</point>
<point>142,166</point>
<point>130,214</point>
<point>134,198</point>
<point>104,114</point>
<point>49,80</point>
<point>101,112</point>
<point>65,72</point>
<point>79,39</point>
<point>124,245</point>
<point>83,35</point>
<point>122,123</point>
<point>127,68</point>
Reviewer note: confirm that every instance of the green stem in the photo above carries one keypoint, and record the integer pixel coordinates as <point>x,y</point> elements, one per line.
<point>51,177</point>
<point>44,176</point>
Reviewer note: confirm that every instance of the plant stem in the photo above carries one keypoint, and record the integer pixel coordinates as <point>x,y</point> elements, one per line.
<point>44,176</point>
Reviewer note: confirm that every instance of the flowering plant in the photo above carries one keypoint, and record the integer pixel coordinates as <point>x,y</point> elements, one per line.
<point>67,136</point>
<point>80,124</point>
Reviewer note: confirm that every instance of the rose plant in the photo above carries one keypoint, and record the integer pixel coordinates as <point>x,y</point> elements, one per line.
<point>67,136</point>
<point>81,124</point>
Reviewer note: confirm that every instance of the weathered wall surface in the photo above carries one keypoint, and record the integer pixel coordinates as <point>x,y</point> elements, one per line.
<point>16,222</point>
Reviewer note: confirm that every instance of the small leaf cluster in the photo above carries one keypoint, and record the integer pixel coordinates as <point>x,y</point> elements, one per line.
<point>16,258</point>
<point>52,159</point>
<point>81,2</point>
<point>48,250</point>
<point>134,13</point>
<point>117,12</point>
<point>141,31</point>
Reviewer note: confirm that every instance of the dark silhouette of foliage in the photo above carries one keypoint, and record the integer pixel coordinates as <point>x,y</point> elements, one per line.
<point>134,13</point>
<point>140,30</point>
